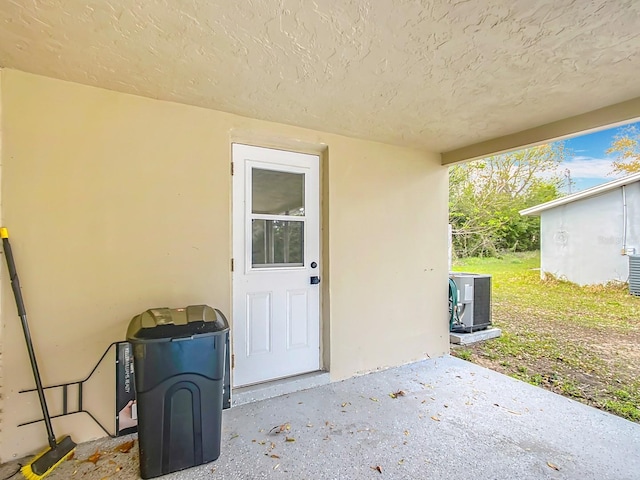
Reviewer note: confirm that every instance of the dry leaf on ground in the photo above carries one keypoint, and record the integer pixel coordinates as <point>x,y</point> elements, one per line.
<point>551,465</point>
<point>95,457</point>
<point>125,447</point>
<point>399,393</point>
<point>435,418</point>
<point>285,427</point>
<point>290,439</point>
<point>505,408</point>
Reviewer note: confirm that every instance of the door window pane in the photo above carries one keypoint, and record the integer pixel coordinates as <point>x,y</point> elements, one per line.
<point>277,193</point>
<point>277,243</point>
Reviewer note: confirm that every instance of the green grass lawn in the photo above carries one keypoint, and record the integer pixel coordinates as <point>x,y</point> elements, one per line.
<point>581,342</point>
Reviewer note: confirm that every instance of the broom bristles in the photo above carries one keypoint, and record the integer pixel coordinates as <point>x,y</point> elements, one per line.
<point>27,470</point>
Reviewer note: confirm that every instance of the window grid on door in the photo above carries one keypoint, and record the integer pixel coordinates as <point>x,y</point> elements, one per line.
<point>276,219</point>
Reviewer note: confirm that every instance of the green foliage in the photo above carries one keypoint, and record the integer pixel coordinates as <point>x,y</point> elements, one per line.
<point>626,147</point>
<point>580,342</point>
<point>485,197</point>
<point>464,354</point>
<point>623,409</point>
<point>516,281</point>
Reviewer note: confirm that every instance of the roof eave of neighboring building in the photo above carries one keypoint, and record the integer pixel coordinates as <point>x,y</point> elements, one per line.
<point>590,192</point>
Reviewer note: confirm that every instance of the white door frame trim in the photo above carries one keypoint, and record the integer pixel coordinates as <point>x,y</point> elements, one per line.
<point>321,151</point>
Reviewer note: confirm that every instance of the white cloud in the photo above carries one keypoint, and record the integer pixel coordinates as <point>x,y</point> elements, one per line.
<point>587,167</point>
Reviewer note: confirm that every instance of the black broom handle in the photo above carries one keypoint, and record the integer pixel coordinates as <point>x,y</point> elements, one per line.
<point>17,293</point>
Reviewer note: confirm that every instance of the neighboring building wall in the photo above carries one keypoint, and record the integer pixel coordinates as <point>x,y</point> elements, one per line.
<point>582,241</point>
<point>118,203</point>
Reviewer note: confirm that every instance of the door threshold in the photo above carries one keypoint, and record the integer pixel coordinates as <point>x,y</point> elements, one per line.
<point>276,388</point>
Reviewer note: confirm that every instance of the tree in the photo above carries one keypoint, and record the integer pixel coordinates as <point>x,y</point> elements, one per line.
<point>626,146</point>
<point>485,197</point>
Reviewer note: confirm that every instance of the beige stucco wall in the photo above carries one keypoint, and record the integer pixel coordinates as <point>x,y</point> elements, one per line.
<point>118,203</point>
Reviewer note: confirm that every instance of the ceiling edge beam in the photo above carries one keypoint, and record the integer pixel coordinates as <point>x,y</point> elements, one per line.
<point>607,117</point>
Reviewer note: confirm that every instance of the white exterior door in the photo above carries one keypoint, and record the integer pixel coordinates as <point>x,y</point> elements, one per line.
<point>276,252</point>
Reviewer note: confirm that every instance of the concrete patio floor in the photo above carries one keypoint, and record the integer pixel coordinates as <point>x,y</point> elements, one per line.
<point>456,421</point>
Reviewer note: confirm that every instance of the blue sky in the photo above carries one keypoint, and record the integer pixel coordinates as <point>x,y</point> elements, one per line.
<point>587,161</point>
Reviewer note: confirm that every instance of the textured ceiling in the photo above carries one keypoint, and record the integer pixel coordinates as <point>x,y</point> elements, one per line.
<point>434,74</point>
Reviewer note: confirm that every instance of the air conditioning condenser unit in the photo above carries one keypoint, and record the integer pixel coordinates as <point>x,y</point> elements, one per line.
<point>473,310</point>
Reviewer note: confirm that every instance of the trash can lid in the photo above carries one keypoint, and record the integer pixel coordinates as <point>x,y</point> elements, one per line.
<point>166,324</point>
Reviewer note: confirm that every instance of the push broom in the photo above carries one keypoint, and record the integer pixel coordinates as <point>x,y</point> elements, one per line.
<point>60,449</point>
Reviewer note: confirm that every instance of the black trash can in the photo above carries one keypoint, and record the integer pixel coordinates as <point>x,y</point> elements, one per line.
<point>179,360</point>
